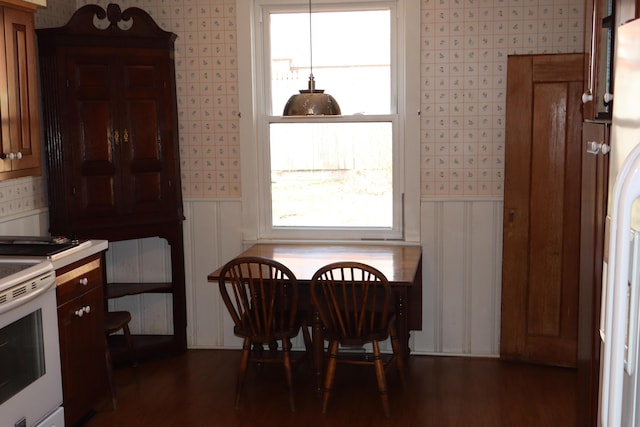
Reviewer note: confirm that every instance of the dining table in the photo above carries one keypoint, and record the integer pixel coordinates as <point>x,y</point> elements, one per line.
<point>400,263</point>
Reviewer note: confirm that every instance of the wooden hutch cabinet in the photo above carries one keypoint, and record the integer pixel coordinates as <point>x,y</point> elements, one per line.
<point>20,130</point>
<point>111,139</point>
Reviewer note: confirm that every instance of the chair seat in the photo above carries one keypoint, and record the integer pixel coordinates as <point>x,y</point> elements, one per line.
<point>116,320</point>
<point>113,322</point>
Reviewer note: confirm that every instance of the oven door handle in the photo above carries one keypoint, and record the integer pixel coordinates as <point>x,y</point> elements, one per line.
<point>47,282</point>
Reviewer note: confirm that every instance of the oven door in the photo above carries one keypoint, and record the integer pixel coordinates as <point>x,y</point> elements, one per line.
<point>30,379</point>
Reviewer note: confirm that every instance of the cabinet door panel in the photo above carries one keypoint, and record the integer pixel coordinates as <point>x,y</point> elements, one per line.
<point>19,104</point>
<point>82,353</point>
<point>91,94</point>
<point>146,117</point>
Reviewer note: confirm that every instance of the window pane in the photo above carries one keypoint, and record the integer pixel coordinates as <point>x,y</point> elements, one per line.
<point>351,58</point>
<point>332,174</point>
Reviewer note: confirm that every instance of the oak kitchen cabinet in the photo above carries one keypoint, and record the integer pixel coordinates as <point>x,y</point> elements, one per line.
<point>82,338</point>
<point>19,132</point>
<point>111,139</point>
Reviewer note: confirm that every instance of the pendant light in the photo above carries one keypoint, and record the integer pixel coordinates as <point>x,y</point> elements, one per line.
<point>311,101</point>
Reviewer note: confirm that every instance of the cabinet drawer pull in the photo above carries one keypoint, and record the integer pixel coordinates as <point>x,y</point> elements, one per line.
<point>84,281</point>
<point>82,311</point>
<point>11,156</point>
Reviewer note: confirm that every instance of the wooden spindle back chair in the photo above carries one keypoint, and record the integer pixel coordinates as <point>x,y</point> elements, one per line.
<point>356,307</point>
<point>261,296</point>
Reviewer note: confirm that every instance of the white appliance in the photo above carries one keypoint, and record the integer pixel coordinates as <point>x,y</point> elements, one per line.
<point>619,379</point>
<point>30,378</point>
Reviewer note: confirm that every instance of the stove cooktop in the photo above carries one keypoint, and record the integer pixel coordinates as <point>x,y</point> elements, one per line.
<point>27,246</point>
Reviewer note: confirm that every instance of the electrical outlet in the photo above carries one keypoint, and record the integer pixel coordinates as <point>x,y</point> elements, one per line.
<point>21,423</point>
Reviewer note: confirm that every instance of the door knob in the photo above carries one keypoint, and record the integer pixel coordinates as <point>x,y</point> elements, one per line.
<point>593,147</point>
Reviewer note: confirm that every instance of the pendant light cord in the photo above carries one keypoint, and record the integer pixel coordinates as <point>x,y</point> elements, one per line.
<point>310,43</point>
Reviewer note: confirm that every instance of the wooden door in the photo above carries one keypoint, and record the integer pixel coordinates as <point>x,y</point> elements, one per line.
<point>541,245</point>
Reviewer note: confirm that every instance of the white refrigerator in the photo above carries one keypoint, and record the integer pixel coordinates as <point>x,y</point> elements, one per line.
<point>619,325</point>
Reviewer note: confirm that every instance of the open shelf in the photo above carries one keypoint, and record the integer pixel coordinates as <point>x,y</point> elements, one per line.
<point>121,289</point>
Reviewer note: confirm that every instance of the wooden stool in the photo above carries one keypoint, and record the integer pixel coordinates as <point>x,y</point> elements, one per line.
<point>113,322</point>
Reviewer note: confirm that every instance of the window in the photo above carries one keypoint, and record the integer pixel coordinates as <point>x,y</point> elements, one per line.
<point>330,177</point>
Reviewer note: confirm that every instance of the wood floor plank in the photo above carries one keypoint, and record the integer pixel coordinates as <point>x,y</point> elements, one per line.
<point>197,389</point>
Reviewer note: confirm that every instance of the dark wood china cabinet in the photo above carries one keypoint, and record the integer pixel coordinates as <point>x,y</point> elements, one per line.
<point>111,140</point>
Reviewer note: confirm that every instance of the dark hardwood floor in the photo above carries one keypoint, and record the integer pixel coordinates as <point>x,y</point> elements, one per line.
<point>197,389</point>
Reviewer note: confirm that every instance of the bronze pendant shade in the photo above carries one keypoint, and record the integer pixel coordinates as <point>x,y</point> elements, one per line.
<point>311,102</point>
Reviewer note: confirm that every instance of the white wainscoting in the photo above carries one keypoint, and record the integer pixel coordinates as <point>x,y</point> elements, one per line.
<point>462,266</point>
<point>462,256</point>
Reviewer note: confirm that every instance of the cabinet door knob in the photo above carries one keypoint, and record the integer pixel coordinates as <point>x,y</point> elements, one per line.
<point>593,147</point>
<point>18,155</point>
<point>83,310</point>
<point>608,97</point>
<point>84,281</point>
<point>587,97</point>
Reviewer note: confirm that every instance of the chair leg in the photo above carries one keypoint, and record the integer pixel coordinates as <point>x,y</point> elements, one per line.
<point>395,345</point>
<point>129,342</point>
<point>380,376</point>
<point>286,358</point>
<point>112,388</point>
<point>331,370</point>
<point>307,340</point>
<point>242,369</point>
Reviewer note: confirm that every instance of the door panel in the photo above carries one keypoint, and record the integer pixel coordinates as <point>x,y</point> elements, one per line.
<point>542,209</point>
<point>146,123</point>
<point>91,95</point>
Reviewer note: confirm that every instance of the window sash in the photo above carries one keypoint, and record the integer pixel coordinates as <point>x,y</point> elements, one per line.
<point>256,116</point>
<point>269,231</point>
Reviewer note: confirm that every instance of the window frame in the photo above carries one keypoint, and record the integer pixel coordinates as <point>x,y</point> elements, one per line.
<point>255,106</point>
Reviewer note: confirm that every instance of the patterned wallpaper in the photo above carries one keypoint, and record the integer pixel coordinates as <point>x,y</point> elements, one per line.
<point>465,44</point>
